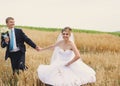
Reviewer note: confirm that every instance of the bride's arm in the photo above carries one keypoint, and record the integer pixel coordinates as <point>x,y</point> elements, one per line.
<point>77,54</point>
<point>51,47</point>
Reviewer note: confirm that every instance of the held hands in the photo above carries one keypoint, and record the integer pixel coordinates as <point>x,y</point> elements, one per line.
<point>38,48</point>
<point>41,49</point>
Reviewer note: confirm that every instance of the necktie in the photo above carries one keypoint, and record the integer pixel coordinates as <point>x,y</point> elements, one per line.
<point>11,40</point>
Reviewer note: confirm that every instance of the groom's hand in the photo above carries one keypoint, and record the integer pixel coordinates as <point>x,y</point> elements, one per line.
<point>7,40</point>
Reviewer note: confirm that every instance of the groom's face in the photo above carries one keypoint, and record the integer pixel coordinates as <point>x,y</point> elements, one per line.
<point>10,23</point>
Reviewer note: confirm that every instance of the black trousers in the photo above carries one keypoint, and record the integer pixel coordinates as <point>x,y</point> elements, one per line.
<point>17,61</point>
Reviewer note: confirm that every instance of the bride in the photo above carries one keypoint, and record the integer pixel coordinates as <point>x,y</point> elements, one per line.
<point>66,67</point>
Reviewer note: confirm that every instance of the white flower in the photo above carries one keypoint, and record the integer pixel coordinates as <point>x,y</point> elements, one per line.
<point>4,30</point>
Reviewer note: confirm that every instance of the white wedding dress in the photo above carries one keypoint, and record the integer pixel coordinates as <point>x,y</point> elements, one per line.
<point>57,74</point>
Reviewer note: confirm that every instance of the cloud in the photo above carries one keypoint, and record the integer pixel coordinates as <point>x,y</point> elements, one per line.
<point>89,14</point>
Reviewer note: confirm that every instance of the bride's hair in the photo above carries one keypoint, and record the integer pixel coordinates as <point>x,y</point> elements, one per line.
<point>68,29</point>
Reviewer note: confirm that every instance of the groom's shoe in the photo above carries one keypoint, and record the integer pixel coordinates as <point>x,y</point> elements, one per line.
<point>48,85</point>
<point>16,71</point>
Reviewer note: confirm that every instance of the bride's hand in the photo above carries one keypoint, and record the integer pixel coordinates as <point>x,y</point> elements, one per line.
<point>41,49</point>
<point>67,64</point>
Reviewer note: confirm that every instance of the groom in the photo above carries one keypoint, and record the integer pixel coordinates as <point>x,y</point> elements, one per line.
<point>15,46</point>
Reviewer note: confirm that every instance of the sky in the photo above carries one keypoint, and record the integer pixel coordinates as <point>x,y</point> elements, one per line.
<point>101,15</point>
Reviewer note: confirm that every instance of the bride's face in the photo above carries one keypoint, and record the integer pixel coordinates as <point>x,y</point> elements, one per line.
<point>65,35</point>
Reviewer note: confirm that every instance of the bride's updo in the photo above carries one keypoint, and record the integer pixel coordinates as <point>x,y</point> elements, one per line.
<point>67,29</point>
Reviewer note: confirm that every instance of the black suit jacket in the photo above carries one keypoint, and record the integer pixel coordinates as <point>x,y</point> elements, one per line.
<point>20,39</point>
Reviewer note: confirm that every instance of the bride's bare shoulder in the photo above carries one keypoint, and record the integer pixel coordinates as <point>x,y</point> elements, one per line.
<point>72,44</point>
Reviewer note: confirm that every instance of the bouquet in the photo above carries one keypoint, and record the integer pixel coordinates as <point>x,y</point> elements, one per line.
<point>4,31</point>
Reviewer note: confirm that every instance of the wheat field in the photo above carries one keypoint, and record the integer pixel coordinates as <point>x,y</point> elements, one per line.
<point>100,51</point>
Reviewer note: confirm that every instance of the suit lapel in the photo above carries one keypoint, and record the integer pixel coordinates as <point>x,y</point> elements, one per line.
<point>16,34</point>
<point>8,34</point>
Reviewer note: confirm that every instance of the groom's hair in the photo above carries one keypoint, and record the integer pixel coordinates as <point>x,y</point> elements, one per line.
<point>9,18</point>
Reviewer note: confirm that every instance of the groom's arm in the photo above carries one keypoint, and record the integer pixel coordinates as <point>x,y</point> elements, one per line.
<point>28,40</point>
<point>3,43</point>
